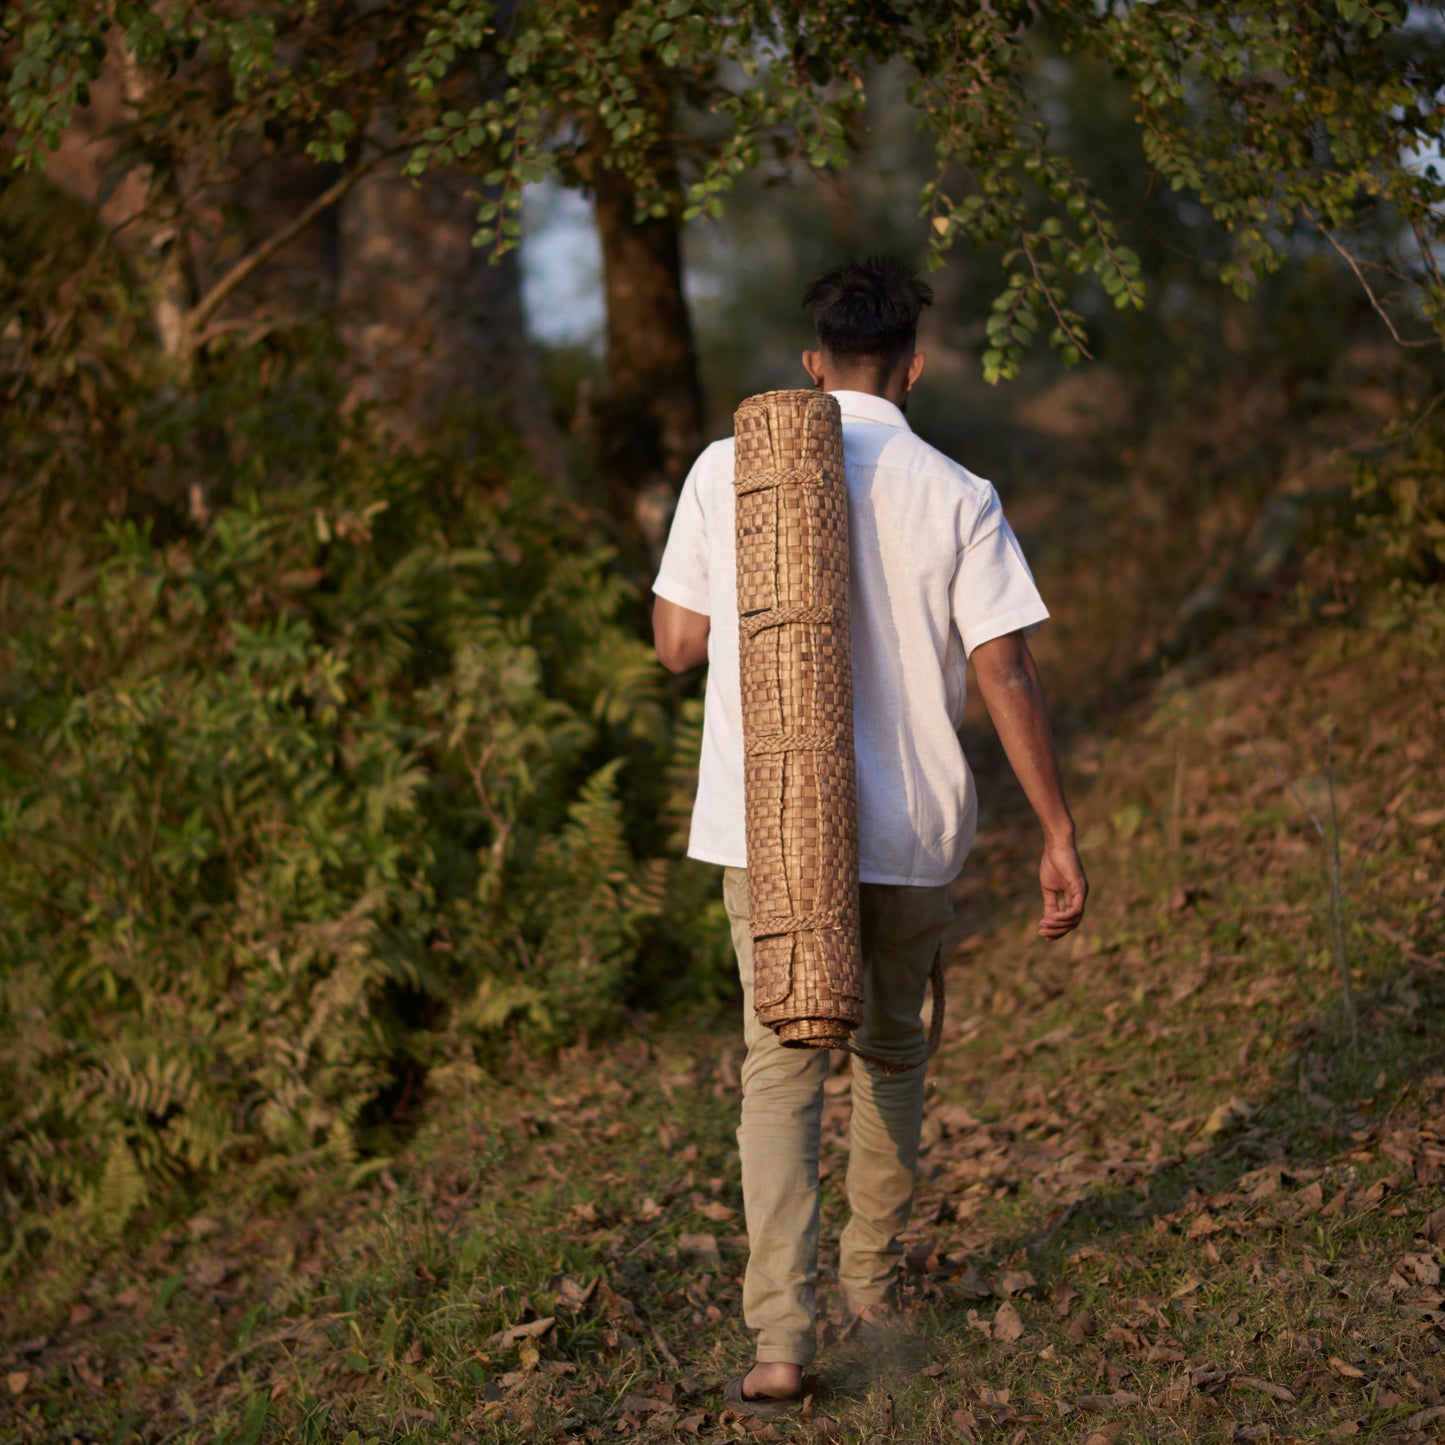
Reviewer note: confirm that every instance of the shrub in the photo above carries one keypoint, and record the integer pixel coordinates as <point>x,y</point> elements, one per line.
<point>349,788</point>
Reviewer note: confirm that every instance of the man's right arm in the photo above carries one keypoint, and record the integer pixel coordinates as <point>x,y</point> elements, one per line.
<point>679,635</point>
<point>1009,681</point>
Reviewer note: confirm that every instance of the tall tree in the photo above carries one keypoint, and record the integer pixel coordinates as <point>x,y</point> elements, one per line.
<point>1313,128</point>
<point>1320,119</point>
<point>210,144</point>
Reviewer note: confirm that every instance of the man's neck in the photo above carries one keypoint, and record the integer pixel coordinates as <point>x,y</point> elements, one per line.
<point>871,388</point>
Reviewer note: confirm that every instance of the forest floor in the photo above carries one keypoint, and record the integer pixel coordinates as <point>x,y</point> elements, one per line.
<point>1166,1195</point>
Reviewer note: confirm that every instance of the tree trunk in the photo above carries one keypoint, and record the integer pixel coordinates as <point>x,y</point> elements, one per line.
<point>650,421</point>
<point>428,315</point>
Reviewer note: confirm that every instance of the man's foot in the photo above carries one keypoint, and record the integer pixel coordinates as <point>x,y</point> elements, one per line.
<point>773,1380</point>
<point>769,1389</point>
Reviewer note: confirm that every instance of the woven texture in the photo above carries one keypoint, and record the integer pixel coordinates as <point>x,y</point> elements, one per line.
<point>797,706</point>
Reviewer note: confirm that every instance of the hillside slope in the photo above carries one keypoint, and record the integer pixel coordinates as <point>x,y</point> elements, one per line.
<point>1166,1194</point>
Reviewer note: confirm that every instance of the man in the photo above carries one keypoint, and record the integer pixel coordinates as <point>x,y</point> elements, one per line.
<point>937,579</point>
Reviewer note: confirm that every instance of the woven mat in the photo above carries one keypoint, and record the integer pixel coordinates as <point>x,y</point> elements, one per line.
<point>797,707</point>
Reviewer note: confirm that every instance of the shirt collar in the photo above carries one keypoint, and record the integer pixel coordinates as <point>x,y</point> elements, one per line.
<point>864,406</point>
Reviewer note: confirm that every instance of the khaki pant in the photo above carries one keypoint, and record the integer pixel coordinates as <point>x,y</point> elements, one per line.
<point>781,1116</point>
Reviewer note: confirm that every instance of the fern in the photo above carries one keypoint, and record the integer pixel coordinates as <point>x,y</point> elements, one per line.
<point>371,774</point>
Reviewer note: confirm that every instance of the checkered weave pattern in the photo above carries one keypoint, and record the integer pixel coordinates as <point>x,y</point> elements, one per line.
<point>797,705</point>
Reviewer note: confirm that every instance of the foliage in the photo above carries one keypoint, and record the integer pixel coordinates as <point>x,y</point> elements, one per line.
<point>1296,129</point>
<point>1155,1154</point>
<point>312,807</point>
<point>1398,504</point>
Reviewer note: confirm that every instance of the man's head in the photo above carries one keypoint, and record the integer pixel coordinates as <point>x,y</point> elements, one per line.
<point>867,315</point>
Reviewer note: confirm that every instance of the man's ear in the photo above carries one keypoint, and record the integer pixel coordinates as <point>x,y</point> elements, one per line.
<point>915,368</point>
<point>813,365</point>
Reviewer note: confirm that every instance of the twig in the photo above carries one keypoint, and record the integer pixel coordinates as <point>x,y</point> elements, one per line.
<point>295,1333</point>
<point>1075,337</point>
<point>1354,266</point>
<point>253,260</point>
<point>663,1349</point>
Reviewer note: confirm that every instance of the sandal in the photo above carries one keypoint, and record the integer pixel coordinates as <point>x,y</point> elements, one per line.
<point>764,1407</point>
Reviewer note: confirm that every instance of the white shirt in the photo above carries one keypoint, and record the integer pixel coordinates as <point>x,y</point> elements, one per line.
<point>935,570</point>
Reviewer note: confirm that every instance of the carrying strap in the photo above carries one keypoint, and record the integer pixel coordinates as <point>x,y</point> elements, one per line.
<point>935,1027</point>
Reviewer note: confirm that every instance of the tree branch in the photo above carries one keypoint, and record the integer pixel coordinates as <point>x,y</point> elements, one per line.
<point>254,259</point>
<point>1354,266</point>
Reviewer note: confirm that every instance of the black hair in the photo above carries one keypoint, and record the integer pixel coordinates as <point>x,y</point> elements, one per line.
<point>867,311</point>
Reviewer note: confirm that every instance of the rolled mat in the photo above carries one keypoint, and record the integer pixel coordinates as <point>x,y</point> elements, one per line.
<point>795,663</point>
<point>796,672</point>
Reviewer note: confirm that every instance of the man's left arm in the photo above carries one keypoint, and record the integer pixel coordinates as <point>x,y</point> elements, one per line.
<point>1013,692</point>
<point>679,635</point>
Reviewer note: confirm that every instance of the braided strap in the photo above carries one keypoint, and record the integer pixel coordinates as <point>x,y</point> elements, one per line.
<point>770,925</point>
<point>935,1027</point>
<point>756,622</point>
<point>770,478</point>
<point>793,743</point>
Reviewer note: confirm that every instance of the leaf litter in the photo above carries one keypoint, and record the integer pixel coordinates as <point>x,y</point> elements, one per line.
<point>1160,1196</point>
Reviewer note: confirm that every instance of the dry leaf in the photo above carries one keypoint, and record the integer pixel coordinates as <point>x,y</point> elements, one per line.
<point>1106,1434</point>
<point>16,1381</point>
<point>1016,1282</point>
<point>1063,1296</point>
<point>1345,1370</point>
<point>1310,1200</point>
<point>1418,1421</point>
<point>574,1295</point>
<point>1228,1115</point>
<point>1008,1324</point>
<point>643,1404</point>
<point>970,1285</point>
<point>1434,1227</point>
<point>1082,1325</point>
<point>532,1330</point>
<point>965,1425</point>
<point>700,1246</point>
<point>1175,1394</point>
<point>1265,1387</point>
<point>921,1257</point>
<point>1423,1266</point>
<point>1379,1189</point>
<point>717,1211</point>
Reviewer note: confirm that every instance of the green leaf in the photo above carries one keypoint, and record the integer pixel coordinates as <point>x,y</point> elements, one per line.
<point>253,1420</point>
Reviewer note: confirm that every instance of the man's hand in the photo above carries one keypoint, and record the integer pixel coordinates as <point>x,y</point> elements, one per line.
<point>1061,876</point>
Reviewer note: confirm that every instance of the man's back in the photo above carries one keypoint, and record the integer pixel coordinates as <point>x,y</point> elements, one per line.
<point>935,571</point>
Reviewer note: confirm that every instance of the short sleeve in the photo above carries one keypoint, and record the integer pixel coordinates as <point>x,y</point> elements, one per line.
<point>682,573</point>
<point>993,591</point>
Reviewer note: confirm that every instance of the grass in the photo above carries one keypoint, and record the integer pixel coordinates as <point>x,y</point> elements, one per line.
<point>1163,1194</point>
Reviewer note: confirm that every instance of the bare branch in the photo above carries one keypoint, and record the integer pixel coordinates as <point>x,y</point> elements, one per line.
<point>1354,266</point>
<point>254,259</point>
<point>1427,252</point>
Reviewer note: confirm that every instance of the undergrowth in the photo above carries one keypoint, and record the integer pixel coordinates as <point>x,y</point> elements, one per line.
<point>291,794</point>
